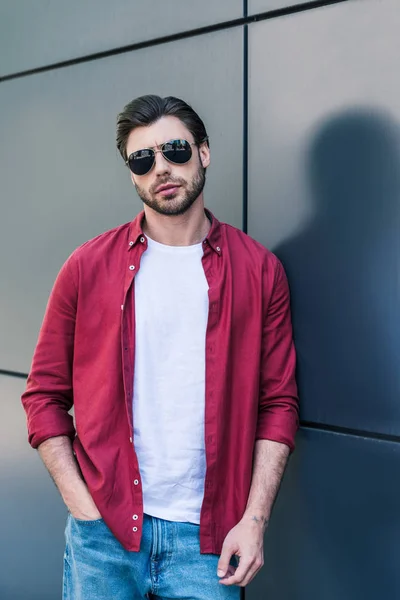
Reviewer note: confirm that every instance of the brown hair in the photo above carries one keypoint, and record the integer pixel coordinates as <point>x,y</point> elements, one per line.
<point>146,110</point>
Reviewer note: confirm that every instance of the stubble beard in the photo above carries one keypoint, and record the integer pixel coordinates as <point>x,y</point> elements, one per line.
<point>174,205</point>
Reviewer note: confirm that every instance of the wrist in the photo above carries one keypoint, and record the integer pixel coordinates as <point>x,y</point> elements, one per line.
<point>256,517</point>
<point>78,499</point>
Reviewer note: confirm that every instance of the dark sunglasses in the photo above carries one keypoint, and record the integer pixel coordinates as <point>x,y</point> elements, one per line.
<point>177,152</point>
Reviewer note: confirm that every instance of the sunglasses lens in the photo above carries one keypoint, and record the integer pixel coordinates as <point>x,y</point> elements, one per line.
<point>140,162</point>
<point>177,151</point>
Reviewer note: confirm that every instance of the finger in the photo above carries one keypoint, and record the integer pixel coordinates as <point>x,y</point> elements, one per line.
<point>231,571</point>
<point>250,576</point>
<point>224,560</point>
<point>240,573</point>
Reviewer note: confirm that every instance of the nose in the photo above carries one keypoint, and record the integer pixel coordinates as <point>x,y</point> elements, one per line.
<point>161,165</point>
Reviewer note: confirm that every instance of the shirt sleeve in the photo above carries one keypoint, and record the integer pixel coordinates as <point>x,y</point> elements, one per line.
<point>48,396</point>
<point>278,405</point>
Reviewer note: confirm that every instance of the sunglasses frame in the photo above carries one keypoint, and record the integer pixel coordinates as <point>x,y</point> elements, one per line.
<point>160,149</point>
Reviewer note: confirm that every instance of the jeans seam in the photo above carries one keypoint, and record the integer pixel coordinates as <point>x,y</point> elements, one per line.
<point>153,557</point>
<point>170,535</point>
<point>66,575</point>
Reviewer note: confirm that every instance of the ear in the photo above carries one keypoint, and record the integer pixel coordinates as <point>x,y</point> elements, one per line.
<point>204,153</point>
<point>132,177</point>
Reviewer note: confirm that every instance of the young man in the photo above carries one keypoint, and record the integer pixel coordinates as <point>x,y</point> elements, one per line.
<point>171,336</point>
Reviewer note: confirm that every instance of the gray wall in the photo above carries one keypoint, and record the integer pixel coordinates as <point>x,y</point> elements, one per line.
<point>322,165</point>
<point>324,193</point>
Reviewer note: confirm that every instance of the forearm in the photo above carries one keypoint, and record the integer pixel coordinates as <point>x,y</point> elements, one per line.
<point>269,464</point>
<point>246,539</point>
<point>59,459</point>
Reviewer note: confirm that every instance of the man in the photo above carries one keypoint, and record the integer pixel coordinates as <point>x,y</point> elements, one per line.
<point>171,336</point>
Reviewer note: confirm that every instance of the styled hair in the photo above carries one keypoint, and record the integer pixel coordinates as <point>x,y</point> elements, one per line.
<point>146,110</point>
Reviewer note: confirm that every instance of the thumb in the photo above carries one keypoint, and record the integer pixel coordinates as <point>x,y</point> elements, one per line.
<point>224,560</point>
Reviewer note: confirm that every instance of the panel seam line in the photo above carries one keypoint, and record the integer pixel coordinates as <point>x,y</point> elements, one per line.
<point>272,14</point>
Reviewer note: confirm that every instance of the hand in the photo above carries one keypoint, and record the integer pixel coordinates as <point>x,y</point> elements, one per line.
<point>246,541</point>
<point>84,516</point>
<point>81,505</point>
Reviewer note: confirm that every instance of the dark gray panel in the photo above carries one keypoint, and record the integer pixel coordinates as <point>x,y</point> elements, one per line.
<point>32,514</point>
<point>335,531</point>
<point>62,180</point>
<point>324,194</point>
<point>34,34</point>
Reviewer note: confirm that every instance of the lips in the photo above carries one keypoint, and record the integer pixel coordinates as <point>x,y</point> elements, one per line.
<point>167,189</point>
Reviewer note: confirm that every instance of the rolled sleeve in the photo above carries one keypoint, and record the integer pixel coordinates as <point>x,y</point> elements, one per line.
<point>48,396</point>
<point>278,405</point>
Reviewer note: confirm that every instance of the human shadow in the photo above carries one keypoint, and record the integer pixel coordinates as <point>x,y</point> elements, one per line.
<point>335,530</point>
<point>343,269</point>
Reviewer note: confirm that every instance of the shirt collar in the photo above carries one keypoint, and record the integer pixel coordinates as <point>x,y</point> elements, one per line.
<point>135,230</point>
<point>213,237</point>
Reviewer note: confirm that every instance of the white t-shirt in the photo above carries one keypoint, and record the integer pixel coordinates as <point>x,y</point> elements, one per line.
<point>171,312</point>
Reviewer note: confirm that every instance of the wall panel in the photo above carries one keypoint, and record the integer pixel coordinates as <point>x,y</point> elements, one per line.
<point>35,34</point>
<point>62,180</point>
<point>32,515</point>
<point>335,530</point>
<point>324,193</point>
<point>260,6</point>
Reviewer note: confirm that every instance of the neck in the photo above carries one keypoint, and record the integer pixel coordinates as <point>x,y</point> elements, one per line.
<point>177,230</point>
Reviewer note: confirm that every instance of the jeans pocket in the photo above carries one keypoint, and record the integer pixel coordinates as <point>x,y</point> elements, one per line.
<point>84,521</point>
<point>87,523</point>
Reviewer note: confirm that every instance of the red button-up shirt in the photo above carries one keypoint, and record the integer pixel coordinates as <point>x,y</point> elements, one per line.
<point>85,357</point>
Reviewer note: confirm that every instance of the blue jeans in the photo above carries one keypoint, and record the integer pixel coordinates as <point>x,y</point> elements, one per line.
<point>169,564</point>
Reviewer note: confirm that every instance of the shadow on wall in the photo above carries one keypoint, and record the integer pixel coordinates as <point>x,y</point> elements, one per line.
<point>335,529</point>
<point>343,269</point>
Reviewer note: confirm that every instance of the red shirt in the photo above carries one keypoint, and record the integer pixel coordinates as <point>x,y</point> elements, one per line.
<point>85,357</point>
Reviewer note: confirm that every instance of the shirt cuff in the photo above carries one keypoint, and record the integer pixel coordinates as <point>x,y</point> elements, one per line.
<point>42,428</point>
<point>278,428</point>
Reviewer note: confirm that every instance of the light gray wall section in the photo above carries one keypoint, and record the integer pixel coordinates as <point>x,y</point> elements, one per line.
<point>260,6</point>
<point>32,515</point>
<point>34,34</point>
<point>324,193</point>
<point>335,530</point>
<point>62,180</point>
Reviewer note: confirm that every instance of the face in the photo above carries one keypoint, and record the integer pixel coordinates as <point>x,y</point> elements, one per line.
<point>167,188</point>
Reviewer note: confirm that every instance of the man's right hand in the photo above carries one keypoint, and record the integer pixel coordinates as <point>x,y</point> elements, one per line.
<point>81,504</point>
<point>58,456</point>
<point>83,517</point>
<point>91,514</point>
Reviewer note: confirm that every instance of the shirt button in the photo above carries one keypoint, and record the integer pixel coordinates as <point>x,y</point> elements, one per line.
<point>134,529</point>
<point>142,239</point>
<point>218,249</point>
<point>135,517</point>
<point>131,243</point>
<point>132,267</point>
<point>131,440</point>
<point>136,482</point>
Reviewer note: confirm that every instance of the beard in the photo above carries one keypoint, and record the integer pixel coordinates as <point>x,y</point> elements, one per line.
<point>178,203</point>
